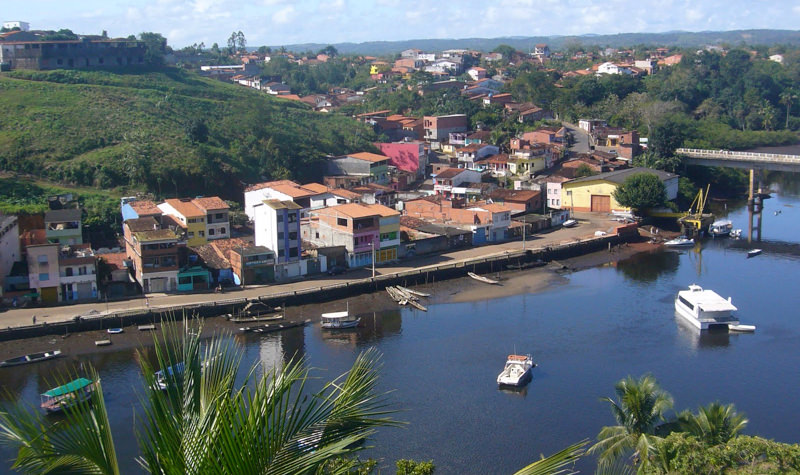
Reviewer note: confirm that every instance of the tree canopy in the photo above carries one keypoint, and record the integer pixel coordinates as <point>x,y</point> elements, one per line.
<point>642,190</point>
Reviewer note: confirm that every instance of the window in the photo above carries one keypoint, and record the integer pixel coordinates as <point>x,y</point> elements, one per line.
<point>341,221</point>
<point>317,235</point>
<point>281,253</point>
<point>280,236</point>
<point>222,230</point>
<point>280,218</point>
<point>190,234</point>
<point>44,276</point>
<point>42,259</point>
<point>211,232</point>
<point>69,272</point>
<point>184,280</point>
<point>293,218</point>
<point>201,233</point>
<point>292,252</point>
<point>219,215</point>
<point>293,236</point>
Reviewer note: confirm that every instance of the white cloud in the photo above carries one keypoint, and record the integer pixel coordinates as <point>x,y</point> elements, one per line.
<point>284,15</point>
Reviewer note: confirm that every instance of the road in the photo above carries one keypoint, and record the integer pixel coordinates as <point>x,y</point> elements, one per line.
<point>589,224</point>
<point>580,138</point>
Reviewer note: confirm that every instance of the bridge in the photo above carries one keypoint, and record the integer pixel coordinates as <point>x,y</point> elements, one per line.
<point>748,160</point>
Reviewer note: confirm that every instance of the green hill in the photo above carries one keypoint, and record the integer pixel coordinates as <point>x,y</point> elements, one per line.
<point>170,132</point>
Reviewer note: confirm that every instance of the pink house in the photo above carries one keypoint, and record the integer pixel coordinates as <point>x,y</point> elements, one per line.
<point>406,156</point>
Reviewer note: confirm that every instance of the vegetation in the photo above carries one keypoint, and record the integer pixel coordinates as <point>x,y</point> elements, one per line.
<point>169,132</point>
<point>642,190</point>
<point>206,421</point>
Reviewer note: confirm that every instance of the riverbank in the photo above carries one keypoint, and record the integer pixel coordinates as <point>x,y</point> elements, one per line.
<point>461,289</point>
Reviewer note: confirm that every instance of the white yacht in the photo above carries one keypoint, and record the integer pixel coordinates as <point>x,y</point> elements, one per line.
<point>705,309</point>
<point>339,320</point>
<point>720,228</point>
<point>680,241</point>
<point>517,371</point>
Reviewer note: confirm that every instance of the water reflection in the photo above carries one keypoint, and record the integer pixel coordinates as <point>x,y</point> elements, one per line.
<point>701,339</point>
<point>648,268</point>
<point>522,392</point>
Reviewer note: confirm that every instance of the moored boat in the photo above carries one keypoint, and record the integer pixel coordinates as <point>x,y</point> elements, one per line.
<point>68,395</point>
<point>164,375</point>
<point>706,310</point>
<point>680,241</point>
<point>720,228</point>
<point>517,371</point>
<point>339,320</point>
<point>413,292</point>
<point>417,305</point>
<point>753,253</point>
<point>570,223</point>
<point>483,279</point>
<point>30,358</point>
<point>115,331</point>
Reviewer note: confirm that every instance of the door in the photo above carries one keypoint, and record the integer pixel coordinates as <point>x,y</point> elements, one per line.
<point>601,203</point>
<point>84,290</point>
<point>158,284</point>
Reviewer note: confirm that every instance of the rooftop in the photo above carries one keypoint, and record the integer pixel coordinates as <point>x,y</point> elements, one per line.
<point>58,215</point>
<point>210,203</point>
<point>185,207</point>
<point>278,204</point>
<point>619,176</point>
<point>155,235</point>
<point>144,207</point>
<point>352,210</point>
<point>370,157</point>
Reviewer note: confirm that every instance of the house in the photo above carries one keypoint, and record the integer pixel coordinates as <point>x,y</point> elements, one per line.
<point>85,53</point>
<point>281,190</point>
<point>408,156</point>
<point>389,234</point>
<point>43,271</point>
<point>354,226</point>
<point>479,137</point>
<point>77,269</point>
<point>154,254</point>
<point>217,220</point>
<point>520,201</point>
<point>595,193</point>
<point>135,208</point>
<point>9,247</point>
<point>201,218</point>
<point>615,140</point>
<point>447,180</point>
<point>528,112</point>
<point>546,135</point>
<point>440,127</point>
<point>419,237</point>
<point>497,164</point>
<point>476,73</point>
<point>444,66</point>
<point>552,185</point>
<point>611,68</point>
<point>277,227</point>
<point>488,222</point>
<point>588,125</point>
<point>239,261</point>
<point>502,99</point>
<point>371,167</point>
<point>373,193</point>
<point>63,226</point>
<point>276,88</point>
<point>541,51</point>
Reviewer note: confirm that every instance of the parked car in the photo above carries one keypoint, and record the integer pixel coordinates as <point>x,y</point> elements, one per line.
<point>336,270</point>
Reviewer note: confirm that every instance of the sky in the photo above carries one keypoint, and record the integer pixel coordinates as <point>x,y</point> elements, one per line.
<point>284,22</point>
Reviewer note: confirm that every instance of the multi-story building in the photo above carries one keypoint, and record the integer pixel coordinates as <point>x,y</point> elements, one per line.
<point>487,221</point>
<point>43,272</point>
<point>354,226</point>
<point>70,54</point>
<point>217,222</point>
<point>154,253</point>
<point>448,179</point>
<point>9,247</point>
<point>277,227</point>
<point>438,128</point>
<point>63,226</point>
<point>409,156</point>
<point>77,273</point>
<point>134,208</point>
<point>200,218</point>
<point>371,166</point>
<point>389,229</point>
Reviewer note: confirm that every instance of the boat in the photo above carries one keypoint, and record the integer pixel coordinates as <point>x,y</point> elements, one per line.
<point>707,310</point>
<point>339,320</point>
<point>30,358</point>
<point>405,295</point>
<point>114,331</point>
<point>68,395</point>
<point>417,305</point>
<point>517,371</point>
<point>413,292</point>
<point>680,241</point>
<point>274,327</point>
<point>161,375</point>
<point>753,253</point>
<point>102,342</point>
<point>720,228</point>
<point>570,223</point>
<point>394,294</point>
<point>483,279</point>
<point>736,233</point>
<point>149,327</point>
<point>256,312</point>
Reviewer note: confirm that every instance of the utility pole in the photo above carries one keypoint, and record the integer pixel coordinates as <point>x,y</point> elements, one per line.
<point>372,245</point>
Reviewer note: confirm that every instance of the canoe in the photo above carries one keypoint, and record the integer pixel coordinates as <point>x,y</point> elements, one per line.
<point>31,358</point>
<point>274,327</point>
<point>413,292</point>
<point>114,331</point>
<point>418,305</point>
<point>483,279</point>
<point>753,253</point>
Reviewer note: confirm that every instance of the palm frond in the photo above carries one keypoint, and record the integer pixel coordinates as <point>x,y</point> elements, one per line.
<point>555,464</point>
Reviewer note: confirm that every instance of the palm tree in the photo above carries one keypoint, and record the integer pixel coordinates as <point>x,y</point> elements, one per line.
<point>639,413</point>
<point>713,424</point>
<point>555,464</point>
<point>206,422</point>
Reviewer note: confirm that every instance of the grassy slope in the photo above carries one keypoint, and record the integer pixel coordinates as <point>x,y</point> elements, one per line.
<point>106,129</point>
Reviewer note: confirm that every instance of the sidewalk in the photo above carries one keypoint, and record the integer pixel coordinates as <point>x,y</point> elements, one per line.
<point>589,223</point>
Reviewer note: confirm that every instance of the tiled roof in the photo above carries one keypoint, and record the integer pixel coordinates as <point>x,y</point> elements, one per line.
<point>316,187</point>
<point>513,195</point>
<point>185,207</point>
<point>353,210</point>
<point>492,207</point>
<point>294,190</point>
<point>384,211</point>
<point>370,157</point>
<point>449,173</point>
<point>144,207</point>
<point>114,260</point>
<point>347,194</point>
<point>210,203</point>
<point>270,184</point>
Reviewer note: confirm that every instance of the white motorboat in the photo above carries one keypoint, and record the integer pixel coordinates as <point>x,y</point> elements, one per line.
<point>753,253</point>
<point>517,371</point>
<point>570,223</point>
<point>705,309</point>
<point>720,228</point>
<point>339,320</point>
<point>680,241</point>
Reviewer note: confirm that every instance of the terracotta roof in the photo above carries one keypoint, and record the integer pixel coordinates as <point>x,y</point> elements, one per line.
<point>449,173</point>
<point>185,207</point>
<point>144,207</point>
<point>347,194</point>
<point>316,187</point>
<point>270,184</point>
<point>492,207</point>
<point>114,260</point>
<point>294,190</point>
<point>384,211</point>
<point>212,257</point>
<point>353,210</point>
<point>370,157</point>
<point>33,237</point>
<point>210,203</point>
<point>513,195</point>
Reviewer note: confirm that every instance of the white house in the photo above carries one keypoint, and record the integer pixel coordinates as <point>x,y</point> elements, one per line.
<point>277,227</point>
<point>611,68</point>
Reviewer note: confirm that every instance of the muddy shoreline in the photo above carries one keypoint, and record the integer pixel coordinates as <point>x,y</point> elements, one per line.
<point>513,282</point>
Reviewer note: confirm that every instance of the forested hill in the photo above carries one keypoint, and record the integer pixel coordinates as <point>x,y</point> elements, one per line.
<point>171,132</point>
<point>682,39</point>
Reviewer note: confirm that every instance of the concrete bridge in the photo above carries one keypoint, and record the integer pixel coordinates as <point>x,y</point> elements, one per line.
<point>747,160</point>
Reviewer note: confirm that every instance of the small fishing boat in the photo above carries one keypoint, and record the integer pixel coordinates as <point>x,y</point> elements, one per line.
<point>114,331</point>
<point>274,327</point>
<point>339,320</point>
<point>417,305</point>
<point>149,327</point>
<point>570,223</point>
<point>517,371</point>
<point>483,279</point>
<point>753,253</point>
<point>680,241</point>
<point>31,358</point>
<point>397,296</point>
<point>68,395</point>
<point>720,228</point>
<point>413,292</point>
<point>172,371</point>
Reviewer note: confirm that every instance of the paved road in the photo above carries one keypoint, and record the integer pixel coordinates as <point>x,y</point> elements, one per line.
<point>580,138</point>
<point>589,223</point>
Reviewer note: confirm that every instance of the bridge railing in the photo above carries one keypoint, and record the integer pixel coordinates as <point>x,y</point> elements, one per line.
<point>741,156</point>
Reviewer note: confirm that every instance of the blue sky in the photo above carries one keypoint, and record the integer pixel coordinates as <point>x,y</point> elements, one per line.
<point>279,22</point>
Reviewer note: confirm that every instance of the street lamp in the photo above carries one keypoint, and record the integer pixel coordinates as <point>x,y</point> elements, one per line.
<point>372,247</point>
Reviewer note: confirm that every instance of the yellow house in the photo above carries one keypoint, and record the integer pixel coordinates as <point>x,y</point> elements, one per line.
<point>389,233</point>
<point>189,216</point>
<point>596,193</point>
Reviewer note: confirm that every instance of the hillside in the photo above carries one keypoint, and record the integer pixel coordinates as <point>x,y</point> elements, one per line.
<point>170,132</point>
<point>673,38</point>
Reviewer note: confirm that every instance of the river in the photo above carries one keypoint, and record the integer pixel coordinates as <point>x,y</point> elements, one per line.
<point>599,326</point>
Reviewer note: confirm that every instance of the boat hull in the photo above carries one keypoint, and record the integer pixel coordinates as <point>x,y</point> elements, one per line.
<point>526,378</point>
<point>32,358</point>
<point>341,325</point>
